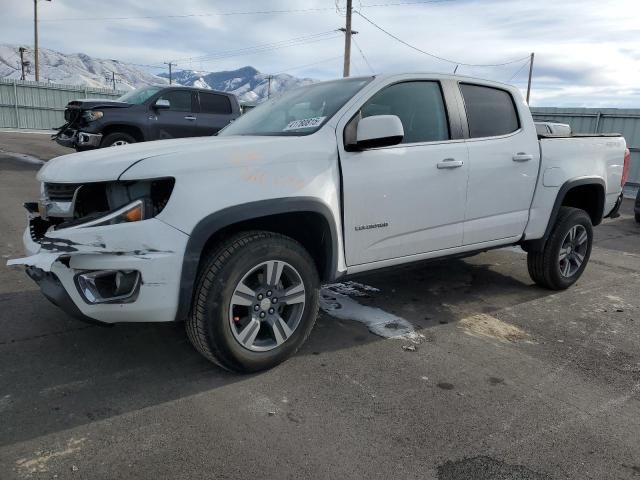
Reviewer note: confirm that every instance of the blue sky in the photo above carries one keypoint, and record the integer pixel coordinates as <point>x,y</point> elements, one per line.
<point>587,52</point>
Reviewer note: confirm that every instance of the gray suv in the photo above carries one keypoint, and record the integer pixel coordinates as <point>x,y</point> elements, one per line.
<point>148,113</point>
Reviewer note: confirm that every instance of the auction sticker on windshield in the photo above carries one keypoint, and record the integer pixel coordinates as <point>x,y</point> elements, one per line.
<point>304,123</point>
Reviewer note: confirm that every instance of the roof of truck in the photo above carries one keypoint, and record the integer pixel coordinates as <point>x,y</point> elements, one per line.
<point>434,75</point>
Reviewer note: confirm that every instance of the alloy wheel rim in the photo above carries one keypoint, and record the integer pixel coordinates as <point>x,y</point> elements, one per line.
<point>266,306</point>
<point>573,251</point>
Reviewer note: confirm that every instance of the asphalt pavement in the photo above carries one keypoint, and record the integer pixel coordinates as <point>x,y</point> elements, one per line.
<point>505,381</point>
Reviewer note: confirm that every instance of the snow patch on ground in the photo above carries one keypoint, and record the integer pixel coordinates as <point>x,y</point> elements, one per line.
<point>23,157</point>
<point>335,300</point>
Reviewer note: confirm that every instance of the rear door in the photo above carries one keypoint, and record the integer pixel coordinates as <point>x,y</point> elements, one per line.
<point>177,121</point>
<point>503,164</point>
<point>409,198</point>
<point>215,113</point>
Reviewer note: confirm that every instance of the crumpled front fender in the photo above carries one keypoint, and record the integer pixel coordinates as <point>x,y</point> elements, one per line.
<point>139,240</point>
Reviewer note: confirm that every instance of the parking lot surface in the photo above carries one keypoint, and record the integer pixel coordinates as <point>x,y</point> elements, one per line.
<point>503,380</point>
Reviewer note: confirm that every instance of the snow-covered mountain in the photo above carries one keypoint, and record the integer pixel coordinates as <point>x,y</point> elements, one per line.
<point>247,83</point>
<point>75,69</point>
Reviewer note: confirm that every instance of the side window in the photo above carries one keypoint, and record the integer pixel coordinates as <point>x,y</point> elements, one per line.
<point>180,100</point>
<point>212,103</point>
<point>420,107</point>
<point>490,111</point>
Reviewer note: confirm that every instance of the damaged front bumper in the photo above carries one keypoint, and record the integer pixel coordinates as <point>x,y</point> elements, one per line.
<point>151,247</point>
<point>76,138</point>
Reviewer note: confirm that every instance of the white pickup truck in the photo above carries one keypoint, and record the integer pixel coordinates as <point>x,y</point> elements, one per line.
<point>234,234</point>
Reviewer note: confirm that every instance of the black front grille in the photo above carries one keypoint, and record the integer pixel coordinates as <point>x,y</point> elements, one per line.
<point>71,113</point>
<point>61,192</point>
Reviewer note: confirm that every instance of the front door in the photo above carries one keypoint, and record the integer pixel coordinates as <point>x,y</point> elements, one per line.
<point>409,198</point>
<point>179,120</point>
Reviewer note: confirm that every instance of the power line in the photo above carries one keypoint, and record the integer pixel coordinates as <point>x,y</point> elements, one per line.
<point>261,50</point>
<point>193,15</point>
<point>307,65</point>
<point>363,55</point>
<point>431,54</point>
<point>520,69</point>
<point>263,46</point>
<point>398,4</point>
<point>243,13</point>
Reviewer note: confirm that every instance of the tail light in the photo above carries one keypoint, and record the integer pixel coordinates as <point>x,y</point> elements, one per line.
<point>626,167</point>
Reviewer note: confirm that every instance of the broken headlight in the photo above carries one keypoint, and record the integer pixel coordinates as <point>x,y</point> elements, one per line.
<point>134,212</point>
<point>108,203</point>
<point>92,115</point>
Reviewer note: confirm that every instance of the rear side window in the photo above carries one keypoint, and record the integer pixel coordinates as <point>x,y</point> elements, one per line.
<point>490,111</point>
<point>180,100</point>
<point>212,103</point>
<point>420,107</point>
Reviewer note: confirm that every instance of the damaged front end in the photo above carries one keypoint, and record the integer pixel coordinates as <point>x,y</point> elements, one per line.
<point>89,248</point>
<point>68,205</point>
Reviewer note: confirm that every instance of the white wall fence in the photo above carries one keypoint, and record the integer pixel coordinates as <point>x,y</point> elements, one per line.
<point>40,105</point>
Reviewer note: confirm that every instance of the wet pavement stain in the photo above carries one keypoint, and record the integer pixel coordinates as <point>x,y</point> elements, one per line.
<point>445,386</point>
<point>486,468</point>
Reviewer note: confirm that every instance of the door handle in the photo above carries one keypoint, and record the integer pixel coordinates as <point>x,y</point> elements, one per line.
<point>189,117</point>
<point>450,163</point>
<point>522,157</point>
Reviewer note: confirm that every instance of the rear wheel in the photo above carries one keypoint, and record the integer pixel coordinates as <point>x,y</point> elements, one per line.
<point>255,303</point>
<point>117,139</point>
<point>566,253</point>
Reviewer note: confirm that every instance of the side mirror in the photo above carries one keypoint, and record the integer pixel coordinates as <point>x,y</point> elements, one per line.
<point>162,104</point>
<point>379,131</point>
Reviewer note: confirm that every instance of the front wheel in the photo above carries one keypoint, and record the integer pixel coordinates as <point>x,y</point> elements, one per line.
<point>255,303</point>
<point>117,139</point>
<point>566,253</point>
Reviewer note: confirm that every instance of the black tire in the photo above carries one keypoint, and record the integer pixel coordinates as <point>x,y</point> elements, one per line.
<point>112,138</point>
<point>544,267</point>
<point>208,326</point>
<point>638,217</point>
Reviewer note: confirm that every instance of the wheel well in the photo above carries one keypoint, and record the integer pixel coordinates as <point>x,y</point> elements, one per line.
<point>135,132</point>
<point>311,229</point>
<point>589,197</point>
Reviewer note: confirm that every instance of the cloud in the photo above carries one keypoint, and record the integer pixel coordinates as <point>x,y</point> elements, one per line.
<point>587,51</point>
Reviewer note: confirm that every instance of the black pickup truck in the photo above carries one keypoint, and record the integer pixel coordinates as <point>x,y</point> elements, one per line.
<point>148,113</point>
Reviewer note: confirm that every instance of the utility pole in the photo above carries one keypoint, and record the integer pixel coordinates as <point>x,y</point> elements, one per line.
<point>22,62</point>
<point>112,78</point>
<point>347,40</point>
<point>530,76</point>
<point>170,66</point>
<point>269,87</point>
<point>35,37</point>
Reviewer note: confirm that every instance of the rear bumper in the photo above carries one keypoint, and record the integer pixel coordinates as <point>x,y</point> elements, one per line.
<point>615,213</point>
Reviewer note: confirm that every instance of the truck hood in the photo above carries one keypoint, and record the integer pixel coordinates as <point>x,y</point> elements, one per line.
<point>109,164</point>
<point>91,103</point>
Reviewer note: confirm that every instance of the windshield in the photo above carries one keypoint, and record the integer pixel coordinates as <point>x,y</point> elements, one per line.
<point>298,112</point>
<point>139,95</point>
